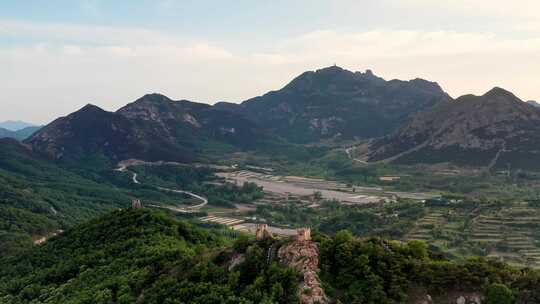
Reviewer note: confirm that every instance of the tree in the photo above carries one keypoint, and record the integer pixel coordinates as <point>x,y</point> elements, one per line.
<point>499,294</point>
<point>419,249</point>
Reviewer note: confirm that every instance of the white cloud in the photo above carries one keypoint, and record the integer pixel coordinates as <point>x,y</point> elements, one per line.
<point>70,66</point>
<point>491,8</point>
<point>85,34</point>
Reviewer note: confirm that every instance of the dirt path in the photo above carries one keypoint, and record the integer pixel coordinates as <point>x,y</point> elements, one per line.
<point>493,162</point>
<point>349,155</point>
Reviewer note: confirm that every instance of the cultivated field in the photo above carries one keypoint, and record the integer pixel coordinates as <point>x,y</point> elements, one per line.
<point>330,190</point>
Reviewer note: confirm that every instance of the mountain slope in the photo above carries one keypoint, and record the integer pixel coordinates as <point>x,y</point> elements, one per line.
<point>19,134</point>
<point>493,130</point>
<point>93,131</point>
<point>319,105</point>
<point>190,122</point>
<point>152,128</point>
<point>37,197</point>
<point>333,102</point>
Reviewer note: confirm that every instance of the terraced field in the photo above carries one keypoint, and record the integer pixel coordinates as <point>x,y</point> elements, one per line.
<point>423,231</point>
<point>510,233</point>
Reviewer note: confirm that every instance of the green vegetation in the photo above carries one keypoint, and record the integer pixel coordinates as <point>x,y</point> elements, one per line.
<point>141,256</point>
<point>386,220</point>
<point>39,197</point>
<point>454,226</point>
<point>335,165</point>
<point>499,294</point>
<point>379,271</point>
<point>200,180</point>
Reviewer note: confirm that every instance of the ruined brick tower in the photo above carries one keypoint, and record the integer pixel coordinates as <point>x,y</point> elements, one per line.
<point>303,234</point>
<point>136,204</point>
<point>263,233</point>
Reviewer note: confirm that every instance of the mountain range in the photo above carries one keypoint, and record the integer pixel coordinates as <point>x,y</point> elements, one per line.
<point>20,134</point>
<point>153,127</point>
<point>495,130</point>
<point>406,122</point>
<point>15,125</point>
<point>335,103</point>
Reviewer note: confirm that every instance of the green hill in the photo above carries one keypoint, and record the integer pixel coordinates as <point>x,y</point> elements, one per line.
<point>39,197</point>
<point>139,256</point>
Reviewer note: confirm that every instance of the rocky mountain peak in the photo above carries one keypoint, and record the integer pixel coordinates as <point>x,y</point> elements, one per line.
<point>154,98</point>
<point>533,103</point>
<point>426,85</point>
<point>498,94</point>
<point>89,108</point>
<point>321,80</point>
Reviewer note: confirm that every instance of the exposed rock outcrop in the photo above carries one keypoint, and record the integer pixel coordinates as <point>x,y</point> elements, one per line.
<point>304,257</point>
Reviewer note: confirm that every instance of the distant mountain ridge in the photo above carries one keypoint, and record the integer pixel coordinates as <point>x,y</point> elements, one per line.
<point>19,134</point>
<point>494,130</point>
<point>15,125</point>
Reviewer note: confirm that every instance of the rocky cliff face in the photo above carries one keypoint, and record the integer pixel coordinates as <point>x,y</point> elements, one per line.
<point>304,257</point>
<point>491,130</point>
<point>333,102</point>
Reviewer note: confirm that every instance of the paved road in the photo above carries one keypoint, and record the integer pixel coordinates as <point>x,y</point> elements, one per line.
<point>349,155</point>
<point>204,200</point>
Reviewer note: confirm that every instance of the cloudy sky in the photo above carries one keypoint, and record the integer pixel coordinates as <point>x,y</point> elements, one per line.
<point>58,55</point>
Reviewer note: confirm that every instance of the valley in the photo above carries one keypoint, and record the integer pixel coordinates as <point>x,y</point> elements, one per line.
<point>270,152</point>
<point>398,167</point>
<point>455,226</point>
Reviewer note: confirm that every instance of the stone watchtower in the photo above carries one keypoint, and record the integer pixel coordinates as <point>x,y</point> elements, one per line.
<point>263,233</point>
<point>136,204</point>
<point>303,234</point>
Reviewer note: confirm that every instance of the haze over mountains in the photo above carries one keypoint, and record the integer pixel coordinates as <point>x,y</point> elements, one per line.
<point>19,134</point>
<point>15,125</point>
<point>328,104</point>
<point>19,130</point>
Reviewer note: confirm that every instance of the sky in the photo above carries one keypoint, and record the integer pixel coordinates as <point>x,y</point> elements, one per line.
<point>58,55</point>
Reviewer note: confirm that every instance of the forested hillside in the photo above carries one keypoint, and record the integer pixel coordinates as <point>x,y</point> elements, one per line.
<point>140,256</point>
<point>39,197</point>
<point>136,256</point>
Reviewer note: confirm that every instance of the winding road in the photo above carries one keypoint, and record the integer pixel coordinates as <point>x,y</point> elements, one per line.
<point>204,200</point>
<point>351,157</point>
